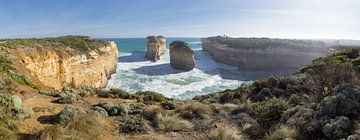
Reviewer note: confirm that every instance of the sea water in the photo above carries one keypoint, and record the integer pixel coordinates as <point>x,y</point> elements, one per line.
<point>135,73</point>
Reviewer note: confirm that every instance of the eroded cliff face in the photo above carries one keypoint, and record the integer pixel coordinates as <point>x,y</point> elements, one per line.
<point>287,59</point>
<point>156,46</point>
<point>56,69</point>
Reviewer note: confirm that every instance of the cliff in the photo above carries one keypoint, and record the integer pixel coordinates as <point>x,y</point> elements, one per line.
<point>156,46</point>
<point>181,56</point>
<point>66,61</point>
<point>263,53</point>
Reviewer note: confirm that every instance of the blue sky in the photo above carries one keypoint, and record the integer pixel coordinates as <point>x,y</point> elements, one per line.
<point>331,19</point>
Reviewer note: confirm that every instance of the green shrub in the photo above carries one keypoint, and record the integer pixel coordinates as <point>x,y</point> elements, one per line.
<point>225,132</point>
<point>356,62</point>
<point>151,96</point>
<point>133,126</point>
<point>172,123</point>
<point>169,105</point>
<point>194,110</point>
<point>283,133</point>
<point>269,112</point>
<point>119,93</point>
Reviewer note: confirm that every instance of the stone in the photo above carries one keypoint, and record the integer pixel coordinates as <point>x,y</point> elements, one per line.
<point>181,56</point>
<point>156,46</point>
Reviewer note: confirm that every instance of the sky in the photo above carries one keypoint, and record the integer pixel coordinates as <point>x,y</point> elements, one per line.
<point>306,19</point>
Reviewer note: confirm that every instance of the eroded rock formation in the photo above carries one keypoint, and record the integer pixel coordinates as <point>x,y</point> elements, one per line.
<point>181,56</point>
<point>156,46</point>
<point>57,68</point>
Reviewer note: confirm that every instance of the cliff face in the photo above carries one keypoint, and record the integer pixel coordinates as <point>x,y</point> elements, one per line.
<point>181,56</point>
<point>68,67</point>
<point>285,58</point>
<point>156,46</point>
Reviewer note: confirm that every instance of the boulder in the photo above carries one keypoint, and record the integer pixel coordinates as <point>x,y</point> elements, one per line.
<point>181,56</point>
<point>156,46</point>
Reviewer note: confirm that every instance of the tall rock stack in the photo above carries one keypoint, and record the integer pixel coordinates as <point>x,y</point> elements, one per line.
<point>156,46</point>
<point>181,56</point>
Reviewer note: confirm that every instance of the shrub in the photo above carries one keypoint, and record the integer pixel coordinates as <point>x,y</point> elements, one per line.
<point>119,93</point>
<point>253,131</point>
<point>151,112</point>
<point>151,96</point>
<point>78,125</point>
<point>225,132</point>
<point>171,123</point>
<point>194,110</point>
<point>6,134</point>
<point>225,108</point>
<point>283,133</point>
<point>169,105</point>
<point>54,132</point>
<point>269,112</point>
<point>132,126</point>
<point>115,110</point>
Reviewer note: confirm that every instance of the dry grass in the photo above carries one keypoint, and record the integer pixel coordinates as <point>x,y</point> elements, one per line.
<point>195,110</point>
<point>83,127</point>
<point>6,134</point>
<point>152,111</point>
<point>172,123</point>
<point>282,133</point>
<point>225,132</point>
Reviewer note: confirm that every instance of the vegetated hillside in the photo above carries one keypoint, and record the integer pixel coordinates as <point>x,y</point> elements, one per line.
<point>78,43</point>
<point>321,101</point>
<point>263,43</point>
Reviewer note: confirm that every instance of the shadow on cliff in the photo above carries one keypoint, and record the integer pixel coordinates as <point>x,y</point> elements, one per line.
<point>134,57</point>
<point>157,70</point>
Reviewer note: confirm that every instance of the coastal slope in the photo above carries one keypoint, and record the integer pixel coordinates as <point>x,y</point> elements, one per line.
<point>66,61</point>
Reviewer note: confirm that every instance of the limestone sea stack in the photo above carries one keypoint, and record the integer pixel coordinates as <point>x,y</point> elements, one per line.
<point>181,56</point>
<point>156,46</point>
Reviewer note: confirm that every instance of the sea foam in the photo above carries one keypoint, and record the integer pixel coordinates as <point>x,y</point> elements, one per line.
<point>134,73</point>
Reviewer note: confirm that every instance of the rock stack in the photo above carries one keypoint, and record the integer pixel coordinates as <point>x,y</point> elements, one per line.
<point>156,46</point>
<point>181,56</point>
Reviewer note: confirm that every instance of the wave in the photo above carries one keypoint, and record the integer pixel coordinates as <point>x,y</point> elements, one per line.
<point>136,74</point>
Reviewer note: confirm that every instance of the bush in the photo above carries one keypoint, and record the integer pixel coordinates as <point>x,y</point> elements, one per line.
<point>172,123</point>
<point>225,132</point>
<point>151,112</point>
<point>269,112</point>
<point>6,134</point>
<point>115,110</point>
<point>151,96</point>
<point>133,126</point>
<point>338,128</point>
<point>253,131</point>
<point>283,133</point>
<point>194,110</point>
<point>77,125</point>
<point>116,93</point>
<point>169,105</point>
<point>54,132</point>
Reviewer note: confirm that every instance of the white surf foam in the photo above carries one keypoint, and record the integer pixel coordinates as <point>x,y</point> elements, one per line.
<point>136,74</point>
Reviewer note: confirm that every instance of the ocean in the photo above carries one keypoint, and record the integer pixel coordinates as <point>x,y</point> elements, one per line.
<point>134,73</point>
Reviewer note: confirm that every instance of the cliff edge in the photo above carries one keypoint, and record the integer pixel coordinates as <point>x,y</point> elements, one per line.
<point>72,61</point>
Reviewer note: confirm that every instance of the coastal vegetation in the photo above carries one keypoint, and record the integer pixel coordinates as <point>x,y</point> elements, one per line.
<point>320,101</point>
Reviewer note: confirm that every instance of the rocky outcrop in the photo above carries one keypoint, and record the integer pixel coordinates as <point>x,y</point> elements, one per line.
<point>263,54</point>
<point>58,68</point>
<point>156,46</point>
<point>181,56</point>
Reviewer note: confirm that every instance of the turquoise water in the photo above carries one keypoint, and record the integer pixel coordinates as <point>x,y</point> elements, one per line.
<point>134,73</point>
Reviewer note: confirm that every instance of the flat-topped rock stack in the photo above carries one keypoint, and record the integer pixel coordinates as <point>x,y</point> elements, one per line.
<point>156,46</point>
<point>181,56</point>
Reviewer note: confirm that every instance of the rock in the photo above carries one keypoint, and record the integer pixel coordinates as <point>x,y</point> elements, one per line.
<point>156,46</point>
<point>181,56</point>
